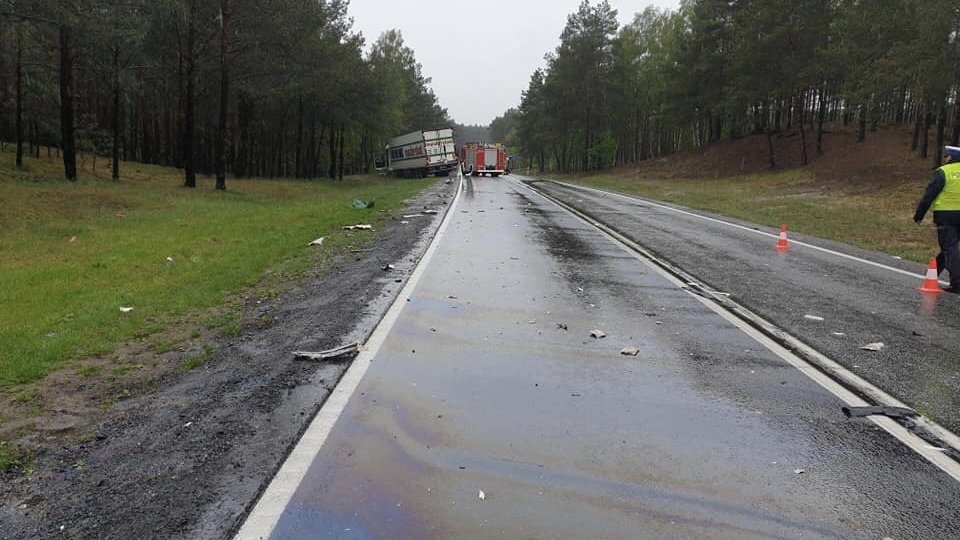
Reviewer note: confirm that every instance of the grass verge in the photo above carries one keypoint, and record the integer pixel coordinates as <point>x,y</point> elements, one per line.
<point>878,220</point>
<point>76,253</point>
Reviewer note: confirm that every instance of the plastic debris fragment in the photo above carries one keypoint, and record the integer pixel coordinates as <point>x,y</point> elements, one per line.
<point>360,203</point>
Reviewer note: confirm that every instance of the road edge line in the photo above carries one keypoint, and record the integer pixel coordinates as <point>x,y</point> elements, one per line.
<point>260,523</point>
<point>818,367</point>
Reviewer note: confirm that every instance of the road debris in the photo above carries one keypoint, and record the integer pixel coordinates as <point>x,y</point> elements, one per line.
<point>890,412</point>
<point>125,309</point>
<point>561,326</point>
<point>798,471</point>
<point>873,347</point>
<point>318,241</point>
<point>339,353</point>
<point>361,227</point>
<point>388,267</point>
<point>839,334</point>
<point>430,212</point>
<point>597,334</point>
<point>72,239</point>
<point>170,259</point>
<point>813,318</point>
<point>482,495</point>
<point>630,351</point>
<point>360,203</point>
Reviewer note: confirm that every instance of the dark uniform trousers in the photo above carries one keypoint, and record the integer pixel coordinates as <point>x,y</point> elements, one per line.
<point>949,256</point>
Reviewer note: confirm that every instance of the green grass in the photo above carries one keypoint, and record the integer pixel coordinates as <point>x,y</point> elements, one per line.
<point>74,253</point>
<point>880,220</point>
<point>9,457</point>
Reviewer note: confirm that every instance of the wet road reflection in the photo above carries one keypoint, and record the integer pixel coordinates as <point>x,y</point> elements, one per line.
<point>490,382</point>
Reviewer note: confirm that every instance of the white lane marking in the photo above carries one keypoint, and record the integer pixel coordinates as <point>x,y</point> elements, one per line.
<point>734,225</point>
<point>912,441</point>
<point>261,522</point>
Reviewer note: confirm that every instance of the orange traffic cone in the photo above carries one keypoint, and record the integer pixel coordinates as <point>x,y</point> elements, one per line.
<point>931,283</point>
<point>782,242</point>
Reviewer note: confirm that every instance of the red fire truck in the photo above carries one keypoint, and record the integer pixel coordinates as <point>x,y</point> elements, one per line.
<point>478,159</point>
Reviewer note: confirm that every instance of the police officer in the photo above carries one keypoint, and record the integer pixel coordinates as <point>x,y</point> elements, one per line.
<point>943,193</point>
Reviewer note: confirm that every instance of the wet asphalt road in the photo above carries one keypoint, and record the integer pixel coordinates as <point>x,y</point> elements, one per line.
<point>920,364</point>
<point>704,434</point>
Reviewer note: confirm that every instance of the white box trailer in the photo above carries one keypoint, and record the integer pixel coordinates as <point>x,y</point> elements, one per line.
<point>422,153</point>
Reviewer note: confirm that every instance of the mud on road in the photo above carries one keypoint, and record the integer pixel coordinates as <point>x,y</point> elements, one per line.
<point>189,458</point>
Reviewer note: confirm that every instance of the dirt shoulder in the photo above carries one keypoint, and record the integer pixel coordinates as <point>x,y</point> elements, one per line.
<point>188,454</point>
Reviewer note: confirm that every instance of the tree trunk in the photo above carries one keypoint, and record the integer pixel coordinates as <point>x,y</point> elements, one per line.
<point>189,160</point>
<point>773,161</point>
<point>220,159</point>
<point>803,130</point>
<point>917,126</point>
<point>116,113</point>
<point>925,141</point>
<point>332,146</point>
<point>901,105</point>
<point>862,125</point>
<point>19,119</point>
<point>67,131</point>
<point>941,129</point>
<point>955,138</point>
<point>298,152</point>
<point>342,138</point>
<point>821,116</point>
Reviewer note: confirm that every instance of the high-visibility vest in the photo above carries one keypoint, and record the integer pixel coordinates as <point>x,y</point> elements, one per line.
<point>949,198</point>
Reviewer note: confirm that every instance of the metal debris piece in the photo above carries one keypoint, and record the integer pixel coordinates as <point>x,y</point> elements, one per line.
<point>318,241</point>
<point>561,326</point>
<point>630,351</point>
<point>346,351</point>
<point>873,347</point>
<point>813,318</point>
<point>361,227</point>
<point>482,495</point>
<point>430,212</point>
<point>839,334</point>
<point>891,412</point>
<point>597,333</point>
<point>798,471</point>
<point>170,259</point>
<point>388,267</point>
<point>126,309</point>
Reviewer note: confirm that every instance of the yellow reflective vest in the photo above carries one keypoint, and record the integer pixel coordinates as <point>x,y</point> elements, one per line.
<point>949,198</point>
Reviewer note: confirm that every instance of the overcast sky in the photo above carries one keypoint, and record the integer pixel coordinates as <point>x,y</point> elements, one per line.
<point>479,64</point>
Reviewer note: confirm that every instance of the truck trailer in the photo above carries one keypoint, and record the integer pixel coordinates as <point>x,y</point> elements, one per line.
<point>420,153</point>
<point>481,159</point>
